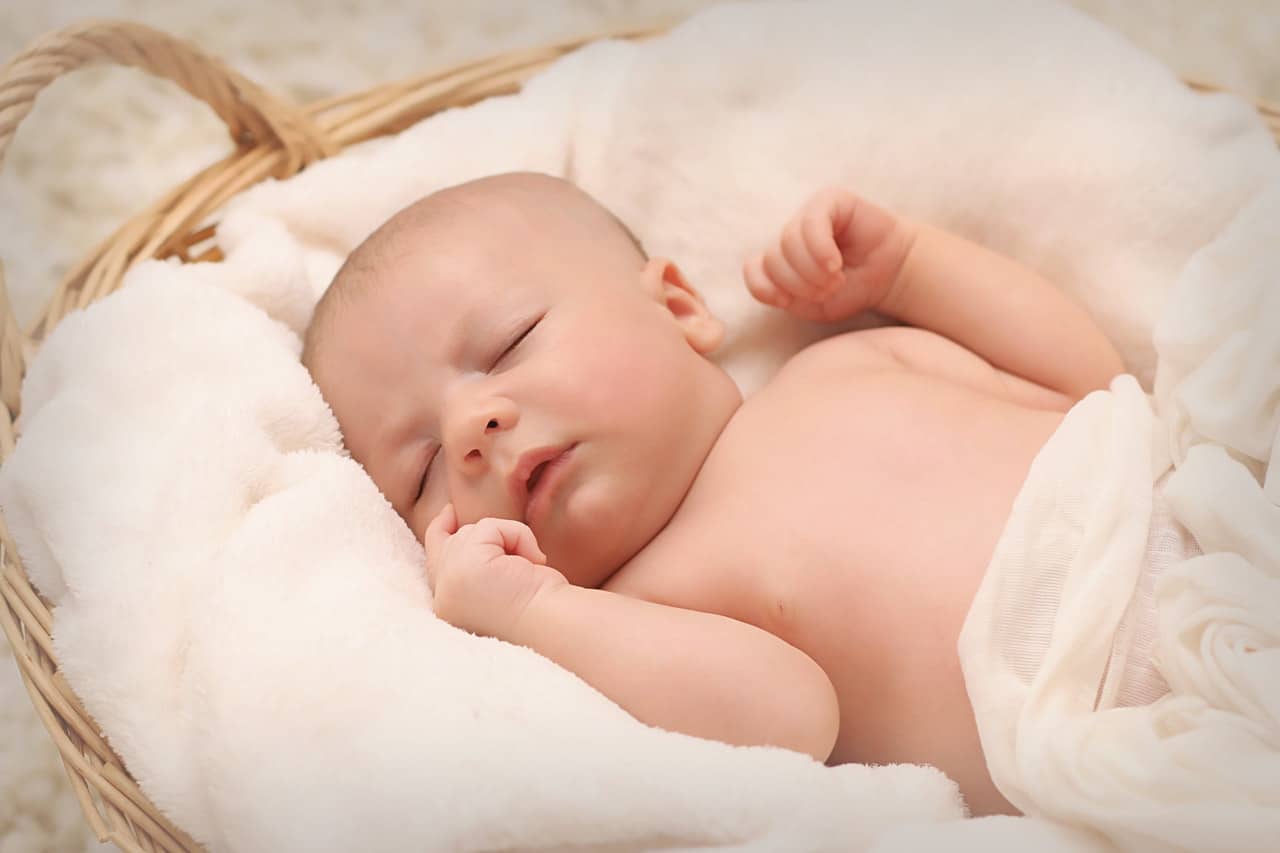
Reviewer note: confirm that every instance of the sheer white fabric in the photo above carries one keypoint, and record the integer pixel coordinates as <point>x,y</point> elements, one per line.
<point>1122,680</point>
<point>1133,677</point>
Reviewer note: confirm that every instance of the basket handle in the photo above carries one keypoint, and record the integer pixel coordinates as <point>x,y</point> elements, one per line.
<point>13,364</point>
<point>252,116</point>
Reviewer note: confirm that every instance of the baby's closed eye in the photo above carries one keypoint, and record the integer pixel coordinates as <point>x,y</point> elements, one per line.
<point>517,341</point>
<point>426,473</point>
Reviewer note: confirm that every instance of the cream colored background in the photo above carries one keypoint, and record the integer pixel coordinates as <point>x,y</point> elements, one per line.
<point>103,142</point>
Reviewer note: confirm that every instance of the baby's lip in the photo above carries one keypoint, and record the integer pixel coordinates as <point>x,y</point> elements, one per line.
<point>518,479</point>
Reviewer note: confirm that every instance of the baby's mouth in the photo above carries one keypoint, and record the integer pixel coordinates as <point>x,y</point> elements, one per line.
<point>533,471</point>
<point>546,472</point>
<point>535,475</point>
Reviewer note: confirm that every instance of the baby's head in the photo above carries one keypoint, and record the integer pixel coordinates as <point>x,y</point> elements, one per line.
<point>506,345</point>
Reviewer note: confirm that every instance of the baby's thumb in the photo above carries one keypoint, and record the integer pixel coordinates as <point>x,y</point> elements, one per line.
<point>444,525</point>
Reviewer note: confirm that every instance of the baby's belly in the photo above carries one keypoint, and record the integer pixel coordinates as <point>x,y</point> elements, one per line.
<point>865,530</point>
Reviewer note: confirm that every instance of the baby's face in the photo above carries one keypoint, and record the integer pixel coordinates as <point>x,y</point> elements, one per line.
<point>553,380</point>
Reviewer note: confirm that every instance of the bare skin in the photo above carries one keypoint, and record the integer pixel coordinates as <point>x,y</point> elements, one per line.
<point>900,454</point>
<point>792,570</point>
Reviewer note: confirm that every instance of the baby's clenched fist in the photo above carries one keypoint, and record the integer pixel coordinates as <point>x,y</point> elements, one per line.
<point>484,575</point>
<point>839,255</point>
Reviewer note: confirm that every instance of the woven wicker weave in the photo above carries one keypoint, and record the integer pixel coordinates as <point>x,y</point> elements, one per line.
<point>272,138</point>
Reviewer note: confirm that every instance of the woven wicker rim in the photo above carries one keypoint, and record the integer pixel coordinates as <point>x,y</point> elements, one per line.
<point>272,139</point>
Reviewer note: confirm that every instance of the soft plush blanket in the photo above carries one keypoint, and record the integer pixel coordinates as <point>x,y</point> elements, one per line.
<point>248,619</point>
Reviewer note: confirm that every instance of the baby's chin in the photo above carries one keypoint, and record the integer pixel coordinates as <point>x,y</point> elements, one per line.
<point>592,563</point>
<point>583,565</point>
<point>609,512</point>
<point>599,532</point>
<point>592,559</point>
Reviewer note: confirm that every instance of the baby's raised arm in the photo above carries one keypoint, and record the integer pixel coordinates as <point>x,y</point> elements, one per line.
<point>682,670</point>
<point>841,254</point>
<point>1003,311</point>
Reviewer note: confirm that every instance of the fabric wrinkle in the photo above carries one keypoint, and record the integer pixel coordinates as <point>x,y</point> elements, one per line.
<point>1137,706</point>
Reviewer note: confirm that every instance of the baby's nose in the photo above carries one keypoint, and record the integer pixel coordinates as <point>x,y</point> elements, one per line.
<point>478,429</point>
<point>475,452</point>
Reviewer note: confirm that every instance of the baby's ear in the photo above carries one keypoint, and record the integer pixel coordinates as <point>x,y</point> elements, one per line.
<point>667,284</point>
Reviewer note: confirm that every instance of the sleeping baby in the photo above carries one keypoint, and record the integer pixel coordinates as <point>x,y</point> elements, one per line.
<point>534,396</point>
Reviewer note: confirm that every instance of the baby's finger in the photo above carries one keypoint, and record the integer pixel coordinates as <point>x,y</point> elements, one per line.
<point>820,242</point>
<point>786,279</point>
<point>803,261</point>
<point>514,537</point>
<point>434,539</point>
<point>444,525</point>
<point>759,285</point>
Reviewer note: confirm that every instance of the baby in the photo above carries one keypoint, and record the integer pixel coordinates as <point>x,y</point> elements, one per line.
<point>534,397</point>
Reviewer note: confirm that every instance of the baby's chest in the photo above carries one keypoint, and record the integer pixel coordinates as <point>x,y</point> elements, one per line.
<point>817,510</point>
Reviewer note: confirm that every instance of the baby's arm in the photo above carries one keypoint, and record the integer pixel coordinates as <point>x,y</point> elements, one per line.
<point>1001,310</point>
<point>683,670</point>
<point>842,254</point>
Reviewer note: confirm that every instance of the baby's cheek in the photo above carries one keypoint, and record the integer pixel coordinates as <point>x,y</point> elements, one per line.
<point>421,516</point>
<point>621,368</point>
<point>470,510</point>
<point>628,384</point>
<point>632,372</point>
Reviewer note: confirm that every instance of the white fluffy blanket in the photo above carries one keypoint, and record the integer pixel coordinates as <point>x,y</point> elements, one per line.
<point>248,619</point>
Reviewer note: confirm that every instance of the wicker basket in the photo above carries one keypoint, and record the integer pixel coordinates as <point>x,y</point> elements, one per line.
<point>272,139</point>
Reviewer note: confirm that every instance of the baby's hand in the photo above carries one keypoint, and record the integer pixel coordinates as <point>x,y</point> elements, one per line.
<point>838,256</point>
<point>484,575</point>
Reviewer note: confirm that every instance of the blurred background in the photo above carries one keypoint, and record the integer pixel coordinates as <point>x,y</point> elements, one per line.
<point>104,142</point>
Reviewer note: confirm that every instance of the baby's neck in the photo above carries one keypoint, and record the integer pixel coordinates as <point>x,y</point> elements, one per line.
<point>677,540</point>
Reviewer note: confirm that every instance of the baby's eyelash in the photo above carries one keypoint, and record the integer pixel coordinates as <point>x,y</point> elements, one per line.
<point>426,472</point>
<point>519,339</point>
